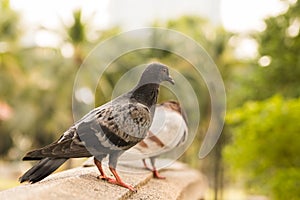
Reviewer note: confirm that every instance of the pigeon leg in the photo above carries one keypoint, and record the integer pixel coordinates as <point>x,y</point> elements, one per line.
<point>145,164</point>
<point>154,170</point>
<point>118,180</point>
<point>113,158</point>
<point>99,166</point>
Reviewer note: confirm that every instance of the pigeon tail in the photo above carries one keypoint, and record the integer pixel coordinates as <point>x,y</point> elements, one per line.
<point>42,169</point>
<point>34,155</point>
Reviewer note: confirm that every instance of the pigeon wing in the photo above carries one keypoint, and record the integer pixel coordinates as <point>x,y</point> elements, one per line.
<point>68,146</point>
<point>116,127</point>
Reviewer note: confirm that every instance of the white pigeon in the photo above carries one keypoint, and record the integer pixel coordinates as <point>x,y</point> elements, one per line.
<point>168,130</point>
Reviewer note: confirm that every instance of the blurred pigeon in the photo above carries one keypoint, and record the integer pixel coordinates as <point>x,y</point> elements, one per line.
<point>168,130</point>
<point>106,130</point>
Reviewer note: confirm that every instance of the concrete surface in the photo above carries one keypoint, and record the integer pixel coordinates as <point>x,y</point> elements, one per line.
<point>81,183</point>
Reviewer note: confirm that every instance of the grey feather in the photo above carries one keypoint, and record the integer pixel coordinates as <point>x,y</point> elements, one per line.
<point>42,169</point>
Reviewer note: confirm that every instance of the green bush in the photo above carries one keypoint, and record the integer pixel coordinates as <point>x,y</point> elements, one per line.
<point>265,146</point>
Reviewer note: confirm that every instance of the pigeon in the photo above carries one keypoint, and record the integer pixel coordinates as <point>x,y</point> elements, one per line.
<point>168,131</point>
<point>108,130</point>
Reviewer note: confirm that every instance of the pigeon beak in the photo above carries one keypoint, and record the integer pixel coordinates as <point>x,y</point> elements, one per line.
<point>171,80</point>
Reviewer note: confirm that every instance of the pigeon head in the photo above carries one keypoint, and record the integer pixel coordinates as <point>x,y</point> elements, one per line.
<point>175,106</point>
<point>146,91</point>
<point>156,73</point>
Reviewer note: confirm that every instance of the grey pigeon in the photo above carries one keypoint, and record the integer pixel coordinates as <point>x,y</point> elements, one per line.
<point>168,130</point>
<point>109,130</point>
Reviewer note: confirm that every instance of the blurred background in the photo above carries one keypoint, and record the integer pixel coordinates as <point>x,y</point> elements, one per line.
<point>255,45</point>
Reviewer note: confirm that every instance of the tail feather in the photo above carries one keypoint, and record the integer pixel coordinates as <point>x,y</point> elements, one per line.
<point>42,169</point>
<point>34,155</point>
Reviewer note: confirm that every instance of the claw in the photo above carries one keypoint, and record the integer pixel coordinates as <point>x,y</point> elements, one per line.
<point>102,175</point>
<point>157,175</point>
<point>121,183</point>
<point>154,170</point>
<point>118,180</point>
<point>105,178</point>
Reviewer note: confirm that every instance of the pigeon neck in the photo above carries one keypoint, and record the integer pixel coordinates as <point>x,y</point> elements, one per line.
<point>146,94</point>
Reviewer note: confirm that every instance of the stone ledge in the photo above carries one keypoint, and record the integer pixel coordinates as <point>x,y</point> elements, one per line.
<point>182,182</point>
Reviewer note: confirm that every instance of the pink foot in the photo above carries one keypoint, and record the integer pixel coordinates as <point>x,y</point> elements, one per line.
<point>157,175</point>
<point>105,178</point>
<point>131,188</point>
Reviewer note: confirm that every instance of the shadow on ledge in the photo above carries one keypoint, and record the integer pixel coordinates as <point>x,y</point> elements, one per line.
<point>181,182</point>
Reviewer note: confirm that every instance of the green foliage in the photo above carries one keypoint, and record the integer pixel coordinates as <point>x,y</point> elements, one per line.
<point>10,81</point>
<point>265,146</point>
<point>9,31</point>
<point>280,41</point>
<point>36,85</point>
<point>285,184</point>
<point>77,32</point>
